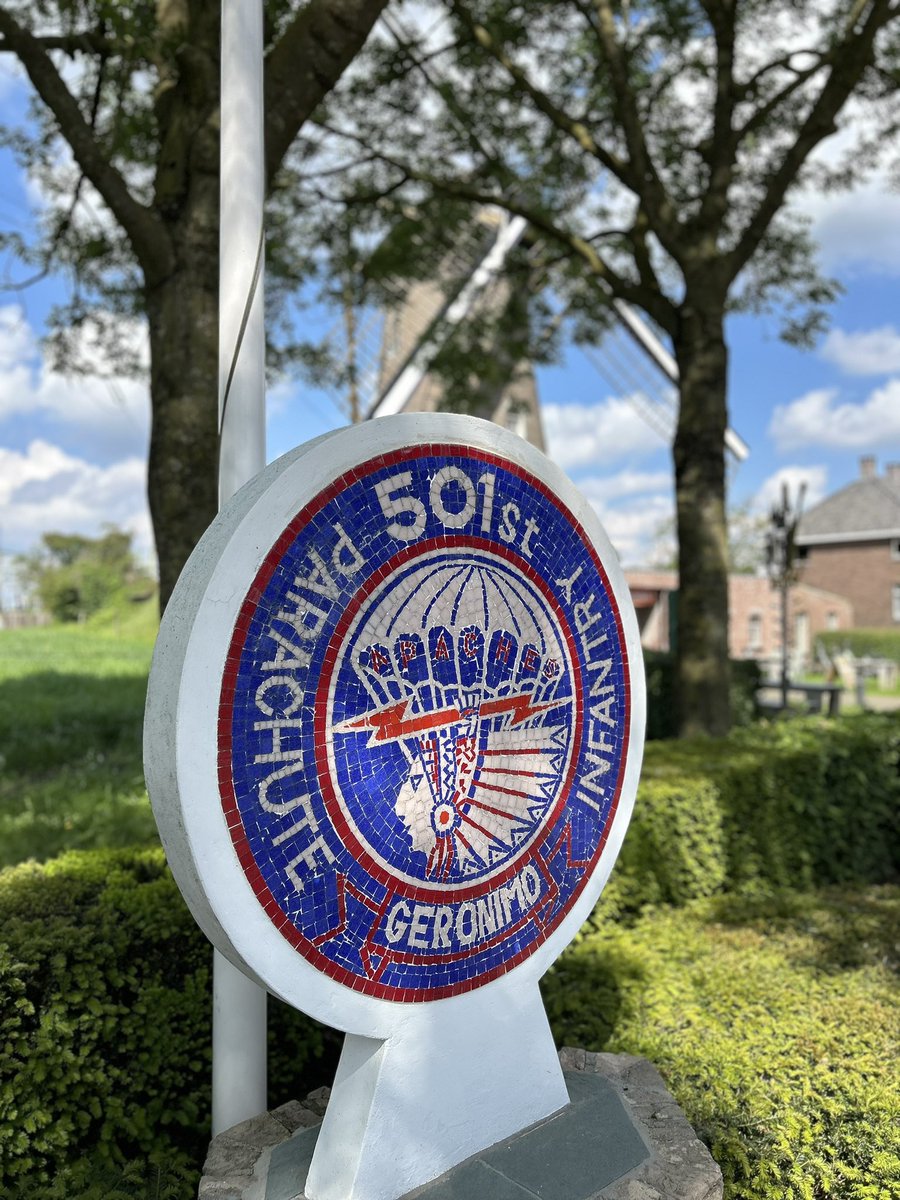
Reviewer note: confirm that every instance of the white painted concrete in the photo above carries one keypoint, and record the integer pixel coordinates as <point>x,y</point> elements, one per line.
<point>455,1077</point>
<point>421,1086</point>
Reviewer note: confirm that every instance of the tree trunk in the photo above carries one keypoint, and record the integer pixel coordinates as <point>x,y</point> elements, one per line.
<point>182,470</point>
<point>182,305</point>
<point>183,318</point>
<point>701,660</point>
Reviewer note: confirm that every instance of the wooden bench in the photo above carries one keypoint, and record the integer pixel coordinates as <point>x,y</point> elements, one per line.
<point>814,694</point>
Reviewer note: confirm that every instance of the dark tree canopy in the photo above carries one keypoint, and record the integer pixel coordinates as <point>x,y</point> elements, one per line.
<point>655,150</point>
<point>125,143</point>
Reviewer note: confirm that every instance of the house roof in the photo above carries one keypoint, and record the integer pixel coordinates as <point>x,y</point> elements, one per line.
<point>865,510</point>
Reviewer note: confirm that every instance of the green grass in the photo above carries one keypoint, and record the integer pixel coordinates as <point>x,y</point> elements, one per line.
<point>71,712</point>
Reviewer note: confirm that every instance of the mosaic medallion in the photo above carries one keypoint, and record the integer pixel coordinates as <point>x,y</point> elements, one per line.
<point>423,722</point>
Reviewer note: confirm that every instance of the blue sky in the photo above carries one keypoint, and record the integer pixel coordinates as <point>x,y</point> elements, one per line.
<point>72,451</point>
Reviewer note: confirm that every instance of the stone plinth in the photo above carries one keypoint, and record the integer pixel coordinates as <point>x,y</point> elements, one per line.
<point>622,1137</point>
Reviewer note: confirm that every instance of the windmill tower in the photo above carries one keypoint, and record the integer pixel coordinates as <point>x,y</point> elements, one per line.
<point>397,377</point>
<point>426,320</point>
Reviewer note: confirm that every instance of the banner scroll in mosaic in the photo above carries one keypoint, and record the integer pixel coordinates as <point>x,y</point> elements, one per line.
<point>393,739</point>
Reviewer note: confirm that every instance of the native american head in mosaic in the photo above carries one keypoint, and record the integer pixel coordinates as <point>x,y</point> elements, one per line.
<point>469,693</point>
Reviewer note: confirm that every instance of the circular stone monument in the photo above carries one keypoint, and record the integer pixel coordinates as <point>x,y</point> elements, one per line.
<point>393,739</point>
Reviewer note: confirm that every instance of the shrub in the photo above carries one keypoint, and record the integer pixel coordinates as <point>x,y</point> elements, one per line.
<point>674,850</point>
<point>864,643</point>
<point>773,1024</point>
<point>799,804</point>
<point>661,709</point>
<point>104,977</point>
<point>105,1020</point>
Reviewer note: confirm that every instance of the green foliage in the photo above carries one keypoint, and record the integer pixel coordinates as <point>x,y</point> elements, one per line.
<point>864,643</point>
<point>105,1026</point>
<point>76,576</point>
<point>788,805</point>
<point>674,850</point>
<point>662,712</point>
<point>153,1178</point>
<point>765,1008</point>
<point>774,1024</point>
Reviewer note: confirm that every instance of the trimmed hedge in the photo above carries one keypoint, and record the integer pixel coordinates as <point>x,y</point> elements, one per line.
<point>864,643</point>
<point>104,978</point>
<point>105,1012</point>
<point>774,1024</point>
<point>799,804</point>
<point>659,670</point>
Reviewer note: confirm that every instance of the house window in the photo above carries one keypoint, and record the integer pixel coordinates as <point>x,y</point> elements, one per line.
<point>832,621</point>
<point>895,549</point>
<point>895,602</point>
<point>754,632</point>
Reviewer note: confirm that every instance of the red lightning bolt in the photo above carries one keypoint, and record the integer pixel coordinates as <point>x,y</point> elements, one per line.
<point>391,722</point>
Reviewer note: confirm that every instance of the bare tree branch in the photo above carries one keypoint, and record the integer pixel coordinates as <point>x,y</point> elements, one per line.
<point>88,41</point>
<point>721,157</point>
<point>851,58</point>
<point>659,208</point>
<point>572,127</point>
<point>760,116</point>
<point>461,117</point>
<point>308,60</point>
<point>144,228</point>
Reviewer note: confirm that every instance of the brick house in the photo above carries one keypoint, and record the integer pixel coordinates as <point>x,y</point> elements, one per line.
<point>754,616</point>
<point>850,544</point>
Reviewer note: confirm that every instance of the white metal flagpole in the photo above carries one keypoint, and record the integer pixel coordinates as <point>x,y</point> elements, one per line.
<point>239,1005</point>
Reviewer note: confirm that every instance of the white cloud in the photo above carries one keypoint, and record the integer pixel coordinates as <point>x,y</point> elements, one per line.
<point>872,352</point>
<point>610,488</point>
<point>602,433</point>
<point>818,419</point>
<point>858,229</point>
<point>12,75</point>
<point>44,488</point>
<point>770,492</point>
<point>115,412</point>
<point>633,507</point>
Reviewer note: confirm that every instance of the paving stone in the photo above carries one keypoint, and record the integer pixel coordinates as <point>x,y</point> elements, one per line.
<point>231,1155</point>
<point>261,1130</point>
<point>623,1137</point>
<point>289,1166</point>
<point>294,1116</point>
<point>473,1180</point>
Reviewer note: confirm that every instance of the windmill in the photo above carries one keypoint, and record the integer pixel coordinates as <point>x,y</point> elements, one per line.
<point>393,350</point>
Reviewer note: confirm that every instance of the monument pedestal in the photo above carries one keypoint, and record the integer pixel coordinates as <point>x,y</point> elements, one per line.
<point>621,1137</point>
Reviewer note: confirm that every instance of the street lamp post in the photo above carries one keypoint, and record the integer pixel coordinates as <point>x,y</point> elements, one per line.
<point>781,565</point>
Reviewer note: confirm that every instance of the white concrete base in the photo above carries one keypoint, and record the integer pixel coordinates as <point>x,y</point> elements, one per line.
<point>454,1079</point>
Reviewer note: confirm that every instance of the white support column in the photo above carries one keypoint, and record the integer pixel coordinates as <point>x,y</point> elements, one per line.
<point>239,1005</point>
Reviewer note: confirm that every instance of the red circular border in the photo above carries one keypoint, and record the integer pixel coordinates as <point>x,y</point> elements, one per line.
<point>345,831</point>
<point>226,705</point>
